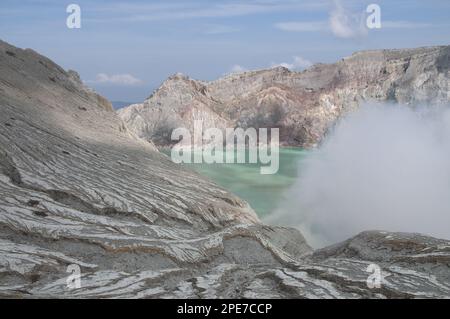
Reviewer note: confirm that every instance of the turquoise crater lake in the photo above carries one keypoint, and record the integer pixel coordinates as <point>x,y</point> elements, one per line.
<point>264,193</point>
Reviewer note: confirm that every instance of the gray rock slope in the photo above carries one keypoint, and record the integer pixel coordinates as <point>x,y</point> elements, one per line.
<point>77,187</point>
<point>302,104</point>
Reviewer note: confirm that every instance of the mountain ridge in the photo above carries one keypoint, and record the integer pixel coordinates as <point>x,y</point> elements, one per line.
<point>304,105</point>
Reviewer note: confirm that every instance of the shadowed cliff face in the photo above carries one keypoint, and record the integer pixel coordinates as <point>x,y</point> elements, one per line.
<point>303,105</point>
<point>77,187</point>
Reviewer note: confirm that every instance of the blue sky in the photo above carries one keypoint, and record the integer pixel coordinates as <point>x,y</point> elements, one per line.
<point>125,49</point>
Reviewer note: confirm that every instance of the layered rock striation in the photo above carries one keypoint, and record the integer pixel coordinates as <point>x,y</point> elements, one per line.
<point>78,187</point>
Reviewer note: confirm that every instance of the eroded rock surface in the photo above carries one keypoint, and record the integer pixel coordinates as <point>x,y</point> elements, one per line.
<point>77,187</point>
<point>302,104</point>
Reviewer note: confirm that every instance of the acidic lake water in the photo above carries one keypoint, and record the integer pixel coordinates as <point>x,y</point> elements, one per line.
<point>264,193</point>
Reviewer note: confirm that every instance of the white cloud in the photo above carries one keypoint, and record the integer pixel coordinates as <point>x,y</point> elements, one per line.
<point>404,25</point>
<point>347,24</point>
<point>301,26</point>
<point>237,69</point>
<point>297,64</point>
<point>193,10</point>
<point>116,79</point>
<point>342,23</point>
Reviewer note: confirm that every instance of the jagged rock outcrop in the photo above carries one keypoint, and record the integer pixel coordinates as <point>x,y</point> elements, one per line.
<point>177,103</point>
<point>302,104</point>
<point>78,188</point>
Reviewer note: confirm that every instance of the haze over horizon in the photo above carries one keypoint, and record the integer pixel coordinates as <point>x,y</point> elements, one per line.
<point>126,49</point>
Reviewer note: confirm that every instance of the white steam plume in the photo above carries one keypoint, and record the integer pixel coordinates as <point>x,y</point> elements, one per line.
<point>385,167</point>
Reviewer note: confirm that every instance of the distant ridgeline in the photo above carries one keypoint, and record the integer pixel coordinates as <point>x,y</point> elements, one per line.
<point>303,105</point>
